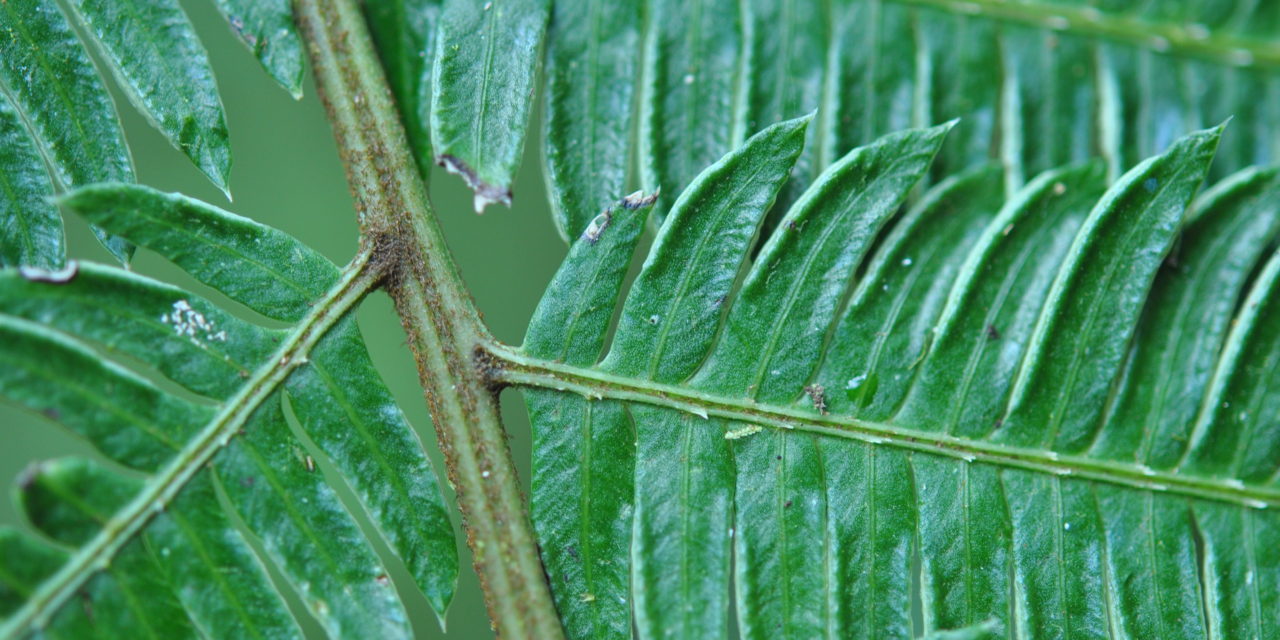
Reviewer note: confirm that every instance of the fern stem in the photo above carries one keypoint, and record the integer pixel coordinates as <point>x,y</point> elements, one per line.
<point>358,278</point>
<point>448,340</point>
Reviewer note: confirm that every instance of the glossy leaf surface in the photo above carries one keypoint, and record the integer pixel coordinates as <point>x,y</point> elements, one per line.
<point>484,70</point>
<point>266,27</point>
<point>51,84</point>
<point>801,454</point>
<point>152,48</point>
<point>269,477</point>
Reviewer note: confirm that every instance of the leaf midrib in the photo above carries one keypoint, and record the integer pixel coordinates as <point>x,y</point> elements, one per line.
<point>515,368</point>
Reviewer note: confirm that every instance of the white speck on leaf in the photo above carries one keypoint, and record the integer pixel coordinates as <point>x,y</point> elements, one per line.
<point>738,434</point>
<point>55,276</point>
<point>192,324</point>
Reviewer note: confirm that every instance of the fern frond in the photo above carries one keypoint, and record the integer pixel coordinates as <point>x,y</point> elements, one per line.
<point>232,438</point>
<point>970,409</point>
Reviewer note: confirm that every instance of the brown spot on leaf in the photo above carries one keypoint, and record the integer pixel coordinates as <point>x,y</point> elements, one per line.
<point>639,200</point>
<point>818,394</point>
<point>485,193</point>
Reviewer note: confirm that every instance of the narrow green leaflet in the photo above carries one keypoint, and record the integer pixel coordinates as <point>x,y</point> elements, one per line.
<point>992,308</point>
<point>404,31</point>
<point>221,583</point>
<point>269,477</point>
<point>1187,319</point>
<point>590,586</point>
<point>163,69</point>
<point>487,60</point>
<point>593,50</point>
<point>886,328</point>
<point>125,417</point>
<point>1092,309</point>
<point>261,267</point>
<point>192,553</point>
<point>30,226</point>
<point>671,313</point>
<point>693,90</point>
<point>363,431</point>
<point>1234,435</point>
<point>266,27</point>
<point>831,509</point>
<point>47,77</point>
<point>306,530</point>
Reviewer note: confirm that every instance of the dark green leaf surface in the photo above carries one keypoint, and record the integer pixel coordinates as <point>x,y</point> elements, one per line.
<point>693,90</point>
<point>152,48</point>
<point>219,582</point>
<point>1092,308</point>
<point>726,202</point>
<point>404,32</point>
<point>794,288</point>
<point>307,532</point>
<point>266,27</point>
<point>593,521</point>
<point>47,76</point>
<point>486,63</point>
<point>27,562</point>
<point>30,227</point>
<point>686,278</point>
<point>1037,85</point>
<point>1235,435</point>
<point>69,501</point>
<point>362,430</point>
<point>125,417</point>
<point>593,50</point>
<point>992,308</point>
<point>213,571</point>
<point>186,338</point>
<point>266,473</point>
<point>1187,318</point>
<point>261,267</point>
<point>887,326</point>
<point>750,479</point>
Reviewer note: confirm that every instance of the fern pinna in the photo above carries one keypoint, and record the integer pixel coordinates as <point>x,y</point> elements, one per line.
<point>873,378</point>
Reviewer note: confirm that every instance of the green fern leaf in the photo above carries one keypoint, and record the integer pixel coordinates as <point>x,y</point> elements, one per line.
<point>152,48</point>
<point>266,27</point>
<point>49,83</point>
<point>485,65</point>
<point>801,457</point>
<point>242,372</point>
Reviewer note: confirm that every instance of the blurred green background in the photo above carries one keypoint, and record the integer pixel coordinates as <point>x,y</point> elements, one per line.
<point>286,173</point>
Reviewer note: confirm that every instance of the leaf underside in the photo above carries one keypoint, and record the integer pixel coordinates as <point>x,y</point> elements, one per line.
<point>58,123</point>
<point>185,568</point>
<point>1048,416</point>
<point>971,385</point>
<point>679,83</point>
